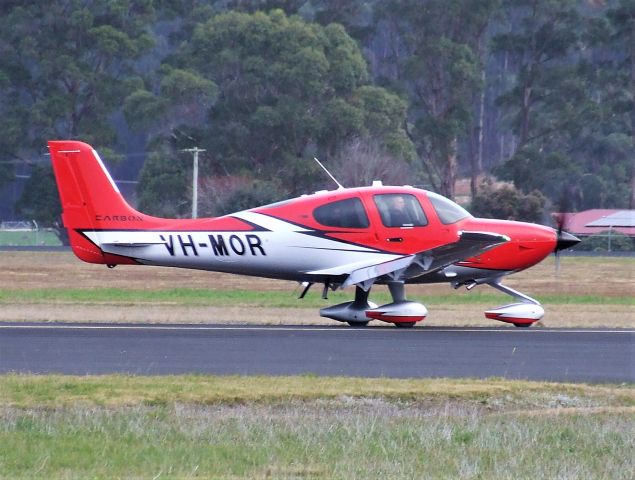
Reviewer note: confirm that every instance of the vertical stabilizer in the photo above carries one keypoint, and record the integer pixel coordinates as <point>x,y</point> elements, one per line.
<point>90,199</point>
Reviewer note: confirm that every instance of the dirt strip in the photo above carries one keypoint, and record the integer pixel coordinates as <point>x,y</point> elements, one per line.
<point>557,316</point>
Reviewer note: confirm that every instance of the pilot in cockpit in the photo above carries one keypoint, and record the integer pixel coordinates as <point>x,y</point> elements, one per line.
<point>399,214</point>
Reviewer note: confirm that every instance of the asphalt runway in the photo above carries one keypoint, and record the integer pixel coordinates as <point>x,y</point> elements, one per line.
<point>597,356</point>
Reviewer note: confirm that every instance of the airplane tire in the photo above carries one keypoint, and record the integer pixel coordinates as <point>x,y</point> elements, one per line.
<point>358,324</point>
<point>522,325</point>
<point>405,324</point>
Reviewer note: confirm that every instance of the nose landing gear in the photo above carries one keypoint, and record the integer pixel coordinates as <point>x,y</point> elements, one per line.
<point>522,314</point>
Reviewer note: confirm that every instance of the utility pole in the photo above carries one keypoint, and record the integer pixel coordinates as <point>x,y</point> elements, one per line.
<point>194,151</point>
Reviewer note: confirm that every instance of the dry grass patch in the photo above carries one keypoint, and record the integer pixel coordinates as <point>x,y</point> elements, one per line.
<point>590,292</point>
<point>604,276</point>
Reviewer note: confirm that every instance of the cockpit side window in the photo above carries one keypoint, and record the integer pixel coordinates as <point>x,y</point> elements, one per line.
<point>448,211</point>
<point>347,213</point>
<point>400,210</point>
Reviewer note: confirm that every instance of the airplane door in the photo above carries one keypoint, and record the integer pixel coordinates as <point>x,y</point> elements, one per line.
<point>401,224</point>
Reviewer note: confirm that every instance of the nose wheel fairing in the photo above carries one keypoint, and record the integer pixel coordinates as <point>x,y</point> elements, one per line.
<point>521,314</point>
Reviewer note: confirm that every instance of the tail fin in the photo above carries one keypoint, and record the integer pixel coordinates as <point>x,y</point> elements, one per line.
<point>91,200</point>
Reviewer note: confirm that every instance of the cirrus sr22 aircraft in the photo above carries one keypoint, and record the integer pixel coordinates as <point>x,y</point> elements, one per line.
<point>341,238</point>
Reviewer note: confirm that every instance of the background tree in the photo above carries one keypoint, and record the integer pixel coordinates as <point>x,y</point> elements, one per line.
<point>286,90</point>
<point>507,203</point>
<point>621,83</point>
<point>165,180</point>
<point>572,133</point>
<point>40,201</point>
<point>435,58</point>
<point>542,33</point>
<point>65,71</point>
<point>362,161</point>
<point>539,92</point>
<point>71,64</point>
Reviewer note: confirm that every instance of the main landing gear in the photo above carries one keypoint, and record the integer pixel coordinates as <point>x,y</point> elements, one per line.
<point>522,314</point>
<point>403,313</point>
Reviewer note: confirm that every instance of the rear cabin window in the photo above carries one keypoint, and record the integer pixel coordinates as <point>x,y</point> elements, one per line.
<point>448,211</point>
<point>400,210</point>
<point>347,213</point>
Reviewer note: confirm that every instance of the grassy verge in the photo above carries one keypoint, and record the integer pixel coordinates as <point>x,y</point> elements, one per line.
<point>29,238</point>
<point>311,427</point>
<point>29,391</point>
<point>279,299</point>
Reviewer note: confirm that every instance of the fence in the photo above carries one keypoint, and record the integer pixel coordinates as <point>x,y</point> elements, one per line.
<point>606,241</point>
<point>27,233</point>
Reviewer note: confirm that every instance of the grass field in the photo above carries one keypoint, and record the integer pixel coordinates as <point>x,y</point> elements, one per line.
<point>45,286</point>
<point>29,238</point>
<point>310,427</point>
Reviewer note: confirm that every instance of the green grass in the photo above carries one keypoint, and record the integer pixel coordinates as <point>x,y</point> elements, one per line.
<point>50,391</point>
<point>311,427</point>
<point>300,442</point>
<point>29,238</point>
<point>252,298</point>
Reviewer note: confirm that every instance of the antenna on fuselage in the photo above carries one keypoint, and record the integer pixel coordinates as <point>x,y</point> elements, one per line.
<point>339,185</point>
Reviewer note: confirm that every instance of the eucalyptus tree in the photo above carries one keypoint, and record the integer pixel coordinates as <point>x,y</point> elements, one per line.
<point>65,69</point>
<point>284,91</point>
<point>433,50</point>
<point>71,64</point>
<point>570,102</point>
<point>621,38</point>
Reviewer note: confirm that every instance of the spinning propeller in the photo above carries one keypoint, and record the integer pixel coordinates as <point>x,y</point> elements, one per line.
<point>564,239</point>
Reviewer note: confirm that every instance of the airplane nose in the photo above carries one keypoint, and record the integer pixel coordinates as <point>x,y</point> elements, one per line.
<point>566,240</point>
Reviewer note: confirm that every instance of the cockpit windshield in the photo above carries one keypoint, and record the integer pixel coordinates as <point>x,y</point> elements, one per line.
<point>448,211</point>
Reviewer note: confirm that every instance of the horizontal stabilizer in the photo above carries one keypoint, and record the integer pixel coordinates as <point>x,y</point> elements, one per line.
<point>109,240</point>
<point>130,245</point>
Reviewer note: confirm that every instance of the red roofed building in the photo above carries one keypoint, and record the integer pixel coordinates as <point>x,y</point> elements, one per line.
<point>591,222</point>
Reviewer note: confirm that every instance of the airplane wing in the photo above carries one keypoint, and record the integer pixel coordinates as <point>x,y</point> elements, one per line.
<point>468,245</point>
<point>377,265</point>
<point>375,271</point>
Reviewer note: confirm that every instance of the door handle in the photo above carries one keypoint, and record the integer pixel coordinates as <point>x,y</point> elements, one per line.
<point>395,239</point>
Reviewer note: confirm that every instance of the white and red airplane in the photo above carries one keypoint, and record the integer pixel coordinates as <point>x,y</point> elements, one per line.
<point>340,238</point>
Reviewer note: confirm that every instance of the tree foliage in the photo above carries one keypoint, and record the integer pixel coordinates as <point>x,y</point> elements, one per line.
<point>286,90</point>
<point>569,111</point>
<point>69,66</point>
<point>64,70</point>
<point>507,203</point>
<point>436,61</point>
<point>606,241</point>
<point>541,91</point>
